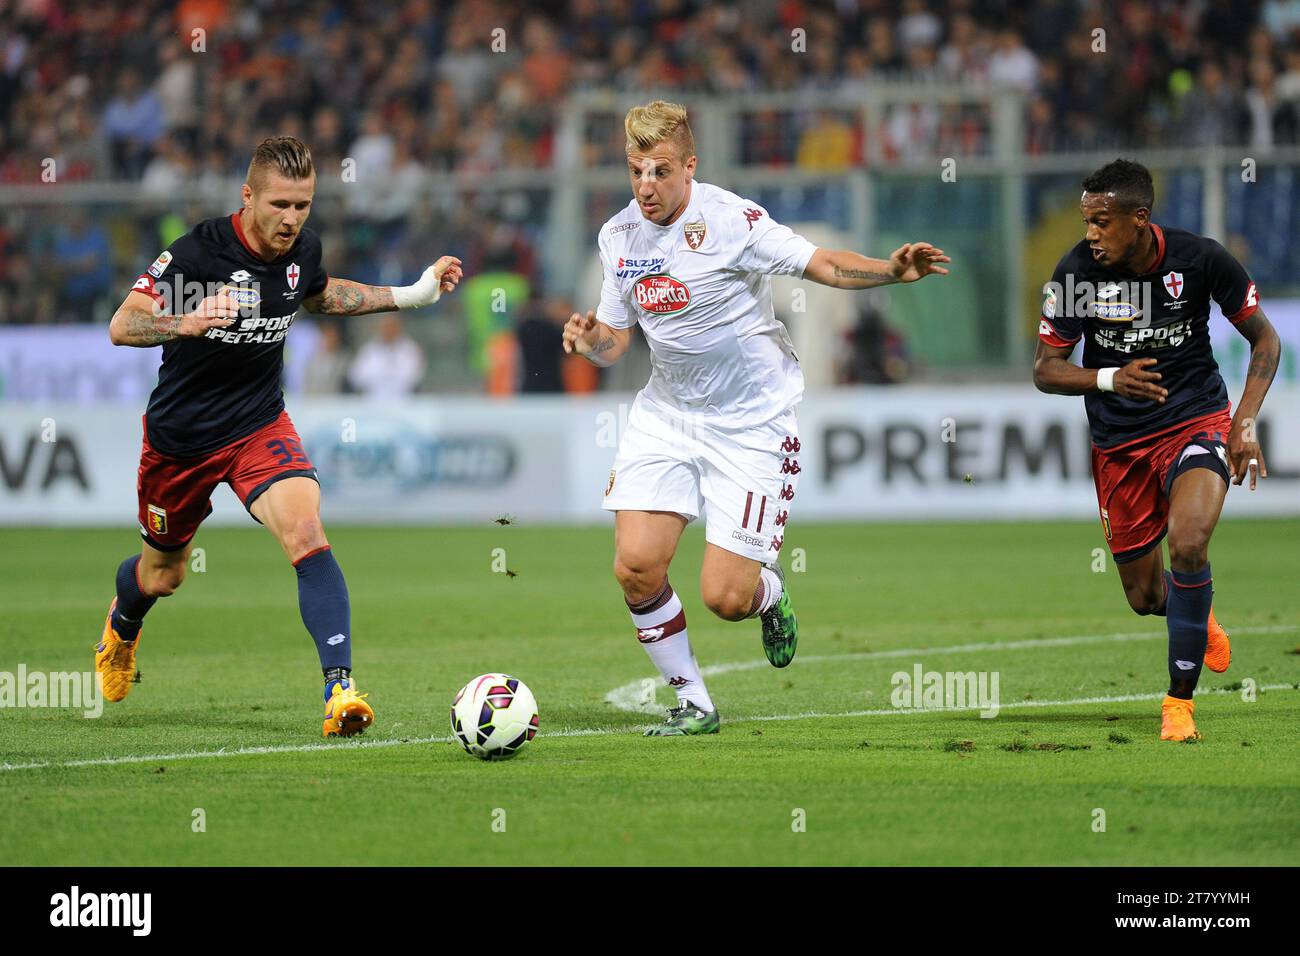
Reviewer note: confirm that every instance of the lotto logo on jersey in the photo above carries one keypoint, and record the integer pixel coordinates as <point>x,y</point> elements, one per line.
<point>661,295</point>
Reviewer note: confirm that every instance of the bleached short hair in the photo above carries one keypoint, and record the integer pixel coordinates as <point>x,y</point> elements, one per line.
<point>648,126</point>
<point>285,155</point>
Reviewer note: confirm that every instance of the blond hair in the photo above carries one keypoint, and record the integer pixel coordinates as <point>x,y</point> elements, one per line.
<point>287,155</point>
<point>656,122</point>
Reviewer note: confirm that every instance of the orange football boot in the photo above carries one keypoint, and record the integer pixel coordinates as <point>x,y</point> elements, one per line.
<point>1218,652</point>
<point>1176,721</point>
<point>346,712</point>
<point>115,660</point>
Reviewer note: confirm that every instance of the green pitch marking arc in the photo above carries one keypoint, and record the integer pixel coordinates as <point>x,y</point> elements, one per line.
<point>631,697</point>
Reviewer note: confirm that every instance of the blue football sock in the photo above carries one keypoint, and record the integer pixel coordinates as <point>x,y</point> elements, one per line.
<point>1188,617</point>
<point>323,602</point>
<point>132,603</point>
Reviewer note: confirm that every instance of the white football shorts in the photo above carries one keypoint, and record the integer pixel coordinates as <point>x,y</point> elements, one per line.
<point>741,482</point>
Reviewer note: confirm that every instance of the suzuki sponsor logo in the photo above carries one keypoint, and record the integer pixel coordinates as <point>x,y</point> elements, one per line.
<point>631,268</point>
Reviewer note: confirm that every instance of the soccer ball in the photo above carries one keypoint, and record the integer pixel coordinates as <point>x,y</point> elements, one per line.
<point>493,716</point>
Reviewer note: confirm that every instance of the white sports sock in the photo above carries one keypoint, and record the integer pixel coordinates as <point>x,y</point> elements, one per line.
<point>772,589</point>
<point>662,632</point>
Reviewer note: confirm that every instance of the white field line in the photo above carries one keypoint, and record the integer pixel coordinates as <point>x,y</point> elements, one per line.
<point>589,731</point>
<point>632,696</point>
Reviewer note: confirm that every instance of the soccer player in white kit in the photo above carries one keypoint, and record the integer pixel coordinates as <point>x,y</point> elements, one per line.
<point>713,433</point>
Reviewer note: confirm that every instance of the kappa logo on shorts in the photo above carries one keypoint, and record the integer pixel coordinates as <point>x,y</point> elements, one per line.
<point>157,520</point>
<point>610,486</point>
<point>1105,522</point>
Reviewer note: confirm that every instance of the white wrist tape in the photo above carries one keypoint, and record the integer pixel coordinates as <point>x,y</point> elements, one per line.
<point>1106,379</point>
<point>424,292</point>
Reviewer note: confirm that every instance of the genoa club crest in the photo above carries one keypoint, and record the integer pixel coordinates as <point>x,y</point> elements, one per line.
<point>694,232</point>
<point>1174,283</point>
<point>157,520</point>
<point>292,274</point>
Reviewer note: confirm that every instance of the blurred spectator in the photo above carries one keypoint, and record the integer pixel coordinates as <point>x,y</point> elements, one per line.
<point>1282,18</point>
<point>918,27</point>
<point>1213,113</point>
<point>1288,85</point>
<point>827,144</point>
<point>1011,63</point>
<point>177,87</point>
<point>326,372</point>
<point>82,262</point>
<point>133,122</point>
<point>541,350</point>
<point>964,59</point>
<point>169,172</point>
<point>390,365</point>
<point>876,354</point>
<point>1272,118</point>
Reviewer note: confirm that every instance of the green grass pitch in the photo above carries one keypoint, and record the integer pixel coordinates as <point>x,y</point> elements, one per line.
<point>813,765</point>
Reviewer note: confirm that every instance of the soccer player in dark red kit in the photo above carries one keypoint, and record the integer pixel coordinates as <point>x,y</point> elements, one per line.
<point>1164,443</point>
<point>220,301</point>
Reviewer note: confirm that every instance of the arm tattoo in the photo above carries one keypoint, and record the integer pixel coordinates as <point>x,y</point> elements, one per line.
<point>1264,358</point>
<point>1265,351</point>
<point>142,328</point>
<point>842,273</point>
<point>604,345</point>
<point>345,297</point>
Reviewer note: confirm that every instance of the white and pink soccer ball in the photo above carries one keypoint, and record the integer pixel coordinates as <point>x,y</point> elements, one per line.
<point>493,716</point>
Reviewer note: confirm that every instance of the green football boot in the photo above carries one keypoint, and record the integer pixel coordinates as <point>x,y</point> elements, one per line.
<point>687,720</point>
<point>780,627</point>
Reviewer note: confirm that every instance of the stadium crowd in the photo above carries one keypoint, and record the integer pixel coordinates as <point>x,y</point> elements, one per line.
<point>174,95</point>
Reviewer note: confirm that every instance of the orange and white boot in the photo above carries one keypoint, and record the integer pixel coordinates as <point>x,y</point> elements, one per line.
<point>1176,721</point>
<point>346,712</point>
<point>115,660</point>
<point>1218,652</point>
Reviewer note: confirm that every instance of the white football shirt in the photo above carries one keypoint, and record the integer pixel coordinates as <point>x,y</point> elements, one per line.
<point>700,291</point>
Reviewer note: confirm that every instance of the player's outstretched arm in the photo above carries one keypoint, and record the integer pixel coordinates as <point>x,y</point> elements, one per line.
<point>1055,374</point>
<point>842,269</point>
<point>345,297</point>
<point>139,321</point>
<point>594,340</point>
<point>1243,442</point>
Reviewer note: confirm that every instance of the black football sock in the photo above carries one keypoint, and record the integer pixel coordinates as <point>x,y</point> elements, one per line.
<point>323,603</point>
<point>1189,621</point>
<point>1164,602</point>
<point>132,603</point>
